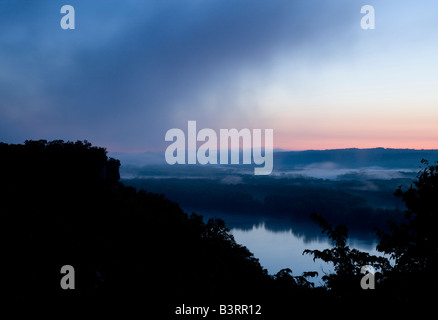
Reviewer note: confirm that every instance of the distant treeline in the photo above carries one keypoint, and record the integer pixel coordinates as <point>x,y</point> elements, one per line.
<point>341,202</point>
<point>343,158</point>
<point>356,158</point>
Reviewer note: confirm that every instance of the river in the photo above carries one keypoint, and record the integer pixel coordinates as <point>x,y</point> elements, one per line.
<point>279,244</point>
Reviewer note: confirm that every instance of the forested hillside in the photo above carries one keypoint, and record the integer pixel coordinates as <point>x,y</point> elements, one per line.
<point>63,204</point>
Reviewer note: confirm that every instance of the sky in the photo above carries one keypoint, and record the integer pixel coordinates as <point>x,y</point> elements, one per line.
<point>133,69</point>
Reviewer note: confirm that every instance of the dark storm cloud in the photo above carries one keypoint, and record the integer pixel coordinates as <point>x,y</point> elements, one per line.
<point>131,68</point>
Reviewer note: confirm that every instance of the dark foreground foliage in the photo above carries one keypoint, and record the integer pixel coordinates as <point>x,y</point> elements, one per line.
<point>62,204</point>
<point>406,277</point>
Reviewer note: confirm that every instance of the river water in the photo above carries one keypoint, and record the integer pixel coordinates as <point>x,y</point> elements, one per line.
<point>279,244</point>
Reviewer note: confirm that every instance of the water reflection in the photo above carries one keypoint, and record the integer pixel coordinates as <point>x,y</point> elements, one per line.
<point>277,250</point>
<point>279,244</point>
<point>305,229</point>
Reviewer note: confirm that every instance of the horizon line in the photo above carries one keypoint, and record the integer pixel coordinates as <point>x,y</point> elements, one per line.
<point>291,150</point>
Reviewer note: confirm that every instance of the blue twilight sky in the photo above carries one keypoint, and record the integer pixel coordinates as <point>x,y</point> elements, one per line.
<point>133,69</point>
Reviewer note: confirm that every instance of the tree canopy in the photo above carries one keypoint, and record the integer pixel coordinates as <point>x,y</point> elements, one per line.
<point>62,204</point>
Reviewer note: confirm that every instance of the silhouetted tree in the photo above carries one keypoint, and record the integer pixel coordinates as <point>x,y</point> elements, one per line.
<point>61,203</point>
<point>414,244</point>
<point>285,278</point>
<point>347,262</point>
